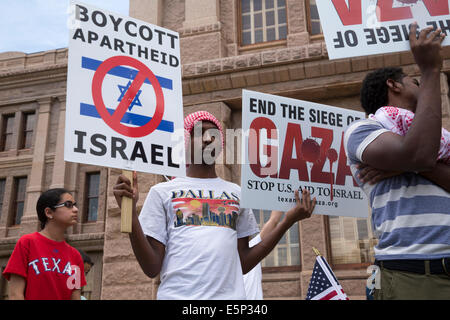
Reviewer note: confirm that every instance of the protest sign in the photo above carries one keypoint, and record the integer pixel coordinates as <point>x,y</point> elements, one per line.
<point>363,27</point>
<point>124,95</point>
<point>290,145</point>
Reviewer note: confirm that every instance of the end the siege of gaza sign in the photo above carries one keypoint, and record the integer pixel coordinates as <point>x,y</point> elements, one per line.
<point>292,144</point>
<point>124,98</point>
<point>363,27</point>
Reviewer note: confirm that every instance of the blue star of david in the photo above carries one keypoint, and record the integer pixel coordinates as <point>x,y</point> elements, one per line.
<point>135,102</point>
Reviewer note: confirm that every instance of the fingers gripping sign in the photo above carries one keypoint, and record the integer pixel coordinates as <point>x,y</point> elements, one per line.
<point>304,207</point>
<point>126,193</point>
<point>124,188</point>
<point>426,47</point>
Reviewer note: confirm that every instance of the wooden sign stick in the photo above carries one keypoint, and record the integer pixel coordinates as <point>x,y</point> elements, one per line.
<point>127,207</point>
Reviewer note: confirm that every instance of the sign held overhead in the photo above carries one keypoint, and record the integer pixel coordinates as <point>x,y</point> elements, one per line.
<point>377,26</point>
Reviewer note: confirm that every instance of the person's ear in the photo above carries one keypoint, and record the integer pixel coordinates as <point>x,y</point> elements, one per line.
<point>393,85</point>
<point>48,213</point>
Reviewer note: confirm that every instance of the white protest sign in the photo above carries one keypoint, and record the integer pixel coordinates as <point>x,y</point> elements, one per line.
<point>291,144</point>
<point>363,27</point>
<point>124,96</point>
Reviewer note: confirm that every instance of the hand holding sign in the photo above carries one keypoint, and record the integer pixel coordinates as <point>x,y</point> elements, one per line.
<point>303,208</point>
<point>426,48</point>
<point>124,188</point>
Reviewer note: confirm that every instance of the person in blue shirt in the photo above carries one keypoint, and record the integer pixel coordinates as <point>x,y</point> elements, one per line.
<point>410,206</point>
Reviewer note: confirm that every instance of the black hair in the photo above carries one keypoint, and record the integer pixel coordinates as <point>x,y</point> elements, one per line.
<point>85,257</point>
<point>48,199</point>
<point>374,90</point>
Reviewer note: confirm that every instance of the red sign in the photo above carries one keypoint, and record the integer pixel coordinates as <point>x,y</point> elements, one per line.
<point>113,121</point>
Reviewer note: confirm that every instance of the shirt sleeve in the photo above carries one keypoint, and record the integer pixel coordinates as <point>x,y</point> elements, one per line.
<point>359,135</point>
<point>153,217</point>
<point>246,224</point>
<point>18,262</point>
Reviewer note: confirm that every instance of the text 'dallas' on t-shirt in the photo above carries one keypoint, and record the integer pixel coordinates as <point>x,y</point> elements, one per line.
<point>199,222</point>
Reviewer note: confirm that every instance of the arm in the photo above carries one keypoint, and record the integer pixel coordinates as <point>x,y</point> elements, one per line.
<point>272,223</point>
<point>417,150</point>
<point>440,175</point>
<point>148,251</point>
<point>17,287</point>
<point>250,257</point>
<point>368,174</point>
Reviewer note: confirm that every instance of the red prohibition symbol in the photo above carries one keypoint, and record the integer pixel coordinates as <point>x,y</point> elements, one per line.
<point>113,120</point>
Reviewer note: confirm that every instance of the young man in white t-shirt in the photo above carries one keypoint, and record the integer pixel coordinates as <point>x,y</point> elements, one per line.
<point>192,231</point>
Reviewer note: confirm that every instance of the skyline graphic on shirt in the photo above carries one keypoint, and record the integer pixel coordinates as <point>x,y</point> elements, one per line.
<point>205,212</point>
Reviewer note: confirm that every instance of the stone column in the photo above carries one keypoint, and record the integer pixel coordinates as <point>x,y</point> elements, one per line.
<point>297,18</point>
<point>312,234</point>
<point>147,10</point>
<point>30,222</point>
<point>201,36</point>
<point>59,166</point>
<point>64,173</point>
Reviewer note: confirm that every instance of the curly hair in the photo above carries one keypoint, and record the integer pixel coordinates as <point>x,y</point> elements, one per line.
<point>374,91</point>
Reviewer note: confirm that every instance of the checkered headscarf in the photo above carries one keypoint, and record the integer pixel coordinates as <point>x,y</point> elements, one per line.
<point>193,118</point>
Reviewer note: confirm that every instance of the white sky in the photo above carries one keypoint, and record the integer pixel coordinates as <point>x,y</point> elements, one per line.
<point>38,25</point>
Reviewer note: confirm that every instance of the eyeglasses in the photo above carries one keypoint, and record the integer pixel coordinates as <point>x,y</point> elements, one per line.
<point>67,204</point>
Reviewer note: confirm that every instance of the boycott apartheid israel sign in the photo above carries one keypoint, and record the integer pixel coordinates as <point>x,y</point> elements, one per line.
<point>364,27</point>
<point>291,144</point>
<point>124,96</point>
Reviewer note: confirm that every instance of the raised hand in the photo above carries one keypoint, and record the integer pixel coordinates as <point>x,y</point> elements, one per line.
<point>426,47</point>
<point>303,208</point>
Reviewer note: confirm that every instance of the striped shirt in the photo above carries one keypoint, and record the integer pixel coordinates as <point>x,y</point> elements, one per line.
<point>410,214</point>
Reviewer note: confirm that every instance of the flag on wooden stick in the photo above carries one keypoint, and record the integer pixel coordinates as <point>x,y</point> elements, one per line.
<point>323,284</point>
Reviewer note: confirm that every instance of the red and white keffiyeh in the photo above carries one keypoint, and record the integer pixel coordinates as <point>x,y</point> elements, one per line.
<point>193,118</point>
<point>398,120</point>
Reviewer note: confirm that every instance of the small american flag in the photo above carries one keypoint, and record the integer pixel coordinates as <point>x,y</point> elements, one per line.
<point>323,284</point>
